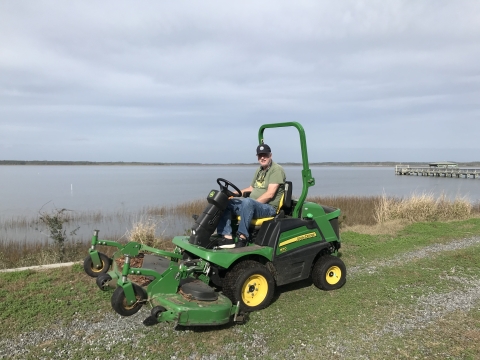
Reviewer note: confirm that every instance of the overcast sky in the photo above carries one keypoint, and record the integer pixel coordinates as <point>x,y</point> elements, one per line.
<point>192,81</point>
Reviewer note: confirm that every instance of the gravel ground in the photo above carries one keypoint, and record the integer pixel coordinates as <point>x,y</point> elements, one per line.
<point>78,333</point>
<point>81,333</point>
<point>427,310</point>
<point>413,255</point>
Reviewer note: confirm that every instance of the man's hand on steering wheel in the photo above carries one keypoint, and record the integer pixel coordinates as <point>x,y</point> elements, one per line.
<point>224,184</point>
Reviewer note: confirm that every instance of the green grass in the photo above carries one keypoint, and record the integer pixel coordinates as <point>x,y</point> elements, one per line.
<point>32,300</point>
<point>399,311</point>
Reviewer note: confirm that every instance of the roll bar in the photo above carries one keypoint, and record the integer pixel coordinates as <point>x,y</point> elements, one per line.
<point>307,178</point>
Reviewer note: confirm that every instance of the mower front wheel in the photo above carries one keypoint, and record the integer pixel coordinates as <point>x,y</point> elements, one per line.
<point>250,283</point>
<point>92,270</point>
<point>329,273</point>
<point>119,301</point>
<point>102,281</point>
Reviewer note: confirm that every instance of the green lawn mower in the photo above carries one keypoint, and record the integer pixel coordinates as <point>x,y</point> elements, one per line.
<point>200,283</point>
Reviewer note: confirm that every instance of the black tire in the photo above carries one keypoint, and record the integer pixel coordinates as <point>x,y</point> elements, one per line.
<point>250,283</point>
<point>119,301</point>
<point>329,273</point>
<point>156,311</point>
<point>102,281</point>
<point>92,270</point>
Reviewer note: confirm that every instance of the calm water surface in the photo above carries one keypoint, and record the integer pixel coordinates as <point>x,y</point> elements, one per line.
<point>24,190</point>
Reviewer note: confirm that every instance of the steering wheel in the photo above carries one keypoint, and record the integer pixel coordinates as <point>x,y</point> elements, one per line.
<point>224,184</point>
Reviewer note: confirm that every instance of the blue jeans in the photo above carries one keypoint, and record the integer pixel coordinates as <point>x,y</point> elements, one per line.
<point>247,209</point>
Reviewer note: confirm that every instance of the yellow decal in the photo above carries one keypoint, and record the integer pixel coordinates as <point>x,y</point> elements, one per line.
<point>211,193</point>
<point>283,249</point>
<point>298,238</point>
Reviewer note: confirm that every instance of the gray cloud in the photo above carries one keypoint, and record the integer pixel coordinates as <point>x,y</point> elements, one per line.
<point>193,81</point>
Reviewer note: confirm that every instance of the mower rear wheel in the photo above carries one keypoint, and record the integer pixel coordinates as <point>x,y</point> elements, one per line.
<point>91,270</point>
<point>119,301</point>
<point>250,283</point>
<point>102,281</point>
<point>329,273</point>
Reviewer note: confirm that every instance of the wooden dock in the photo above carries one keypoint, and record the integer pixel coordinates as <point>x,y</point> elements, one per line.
<point>437,171</point>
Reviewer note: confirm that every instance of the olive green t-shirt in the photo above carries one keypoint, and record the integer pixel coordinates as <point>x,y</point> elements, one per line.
<point>262,178</point>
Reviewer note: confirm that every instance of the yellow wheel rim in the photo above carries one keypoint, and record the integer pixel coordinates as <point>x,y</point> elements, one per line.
<point>334,274</point>
<point>254,290</point>
<point>97,270</point>
<point>129,307</point>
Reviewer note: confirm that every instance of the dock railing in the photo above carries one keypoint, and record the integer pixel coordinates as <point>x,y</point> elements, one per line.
<point>437,171</point>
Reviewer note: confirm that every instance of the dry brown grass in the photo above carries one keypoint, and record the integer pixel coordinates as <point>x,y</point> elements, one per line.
<point>388,215</point>
<point>144,231</point>
<point>423,207</point>
<point>356,210</point>
<point>14,254</point>
<point>476,209</point>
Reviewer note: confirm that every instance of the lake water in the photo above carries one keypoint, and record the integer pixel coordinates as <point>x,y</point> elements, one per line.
<point>25,190</point>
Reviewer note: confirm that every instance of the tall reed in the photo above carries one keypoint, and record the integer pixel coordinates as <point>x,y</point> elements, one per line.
<point>183,209</point>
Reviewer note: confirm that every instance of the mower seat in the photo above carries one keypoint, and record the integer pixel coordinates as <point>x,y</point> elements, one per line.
<point>285,205</point>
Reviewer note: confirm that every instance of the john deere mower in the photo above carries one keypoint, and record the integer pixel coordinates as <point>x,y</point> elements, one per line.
<point>200,283</point>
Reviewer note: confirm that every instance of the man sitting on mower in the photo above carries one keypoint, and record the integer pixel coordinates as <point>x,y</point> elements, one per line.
<point>266,190</point>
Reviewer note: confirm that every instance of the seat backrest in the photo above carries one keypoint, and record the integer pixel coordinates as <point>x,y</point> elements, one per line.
<point>285,206</point>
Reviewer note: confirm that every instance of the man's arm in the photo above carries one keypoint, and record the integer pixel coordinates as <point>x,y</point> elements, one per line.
<point>269,194</point>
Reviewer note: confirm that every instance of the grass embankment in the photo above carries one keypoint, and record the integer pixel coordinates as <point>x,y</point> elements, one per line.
<point>414,294</point>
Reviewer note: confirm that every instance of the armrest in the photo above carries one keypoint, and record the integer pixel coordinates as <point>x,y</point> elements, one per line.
<point>246,194</point>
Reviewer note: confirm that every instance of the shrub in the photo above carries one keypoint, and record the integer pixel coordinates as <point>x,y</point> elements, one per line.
<point>54,222</point>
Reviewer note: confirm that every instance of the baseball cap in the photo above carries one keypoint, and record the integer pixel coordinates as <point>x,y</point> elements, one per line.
<point>263,149</point>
